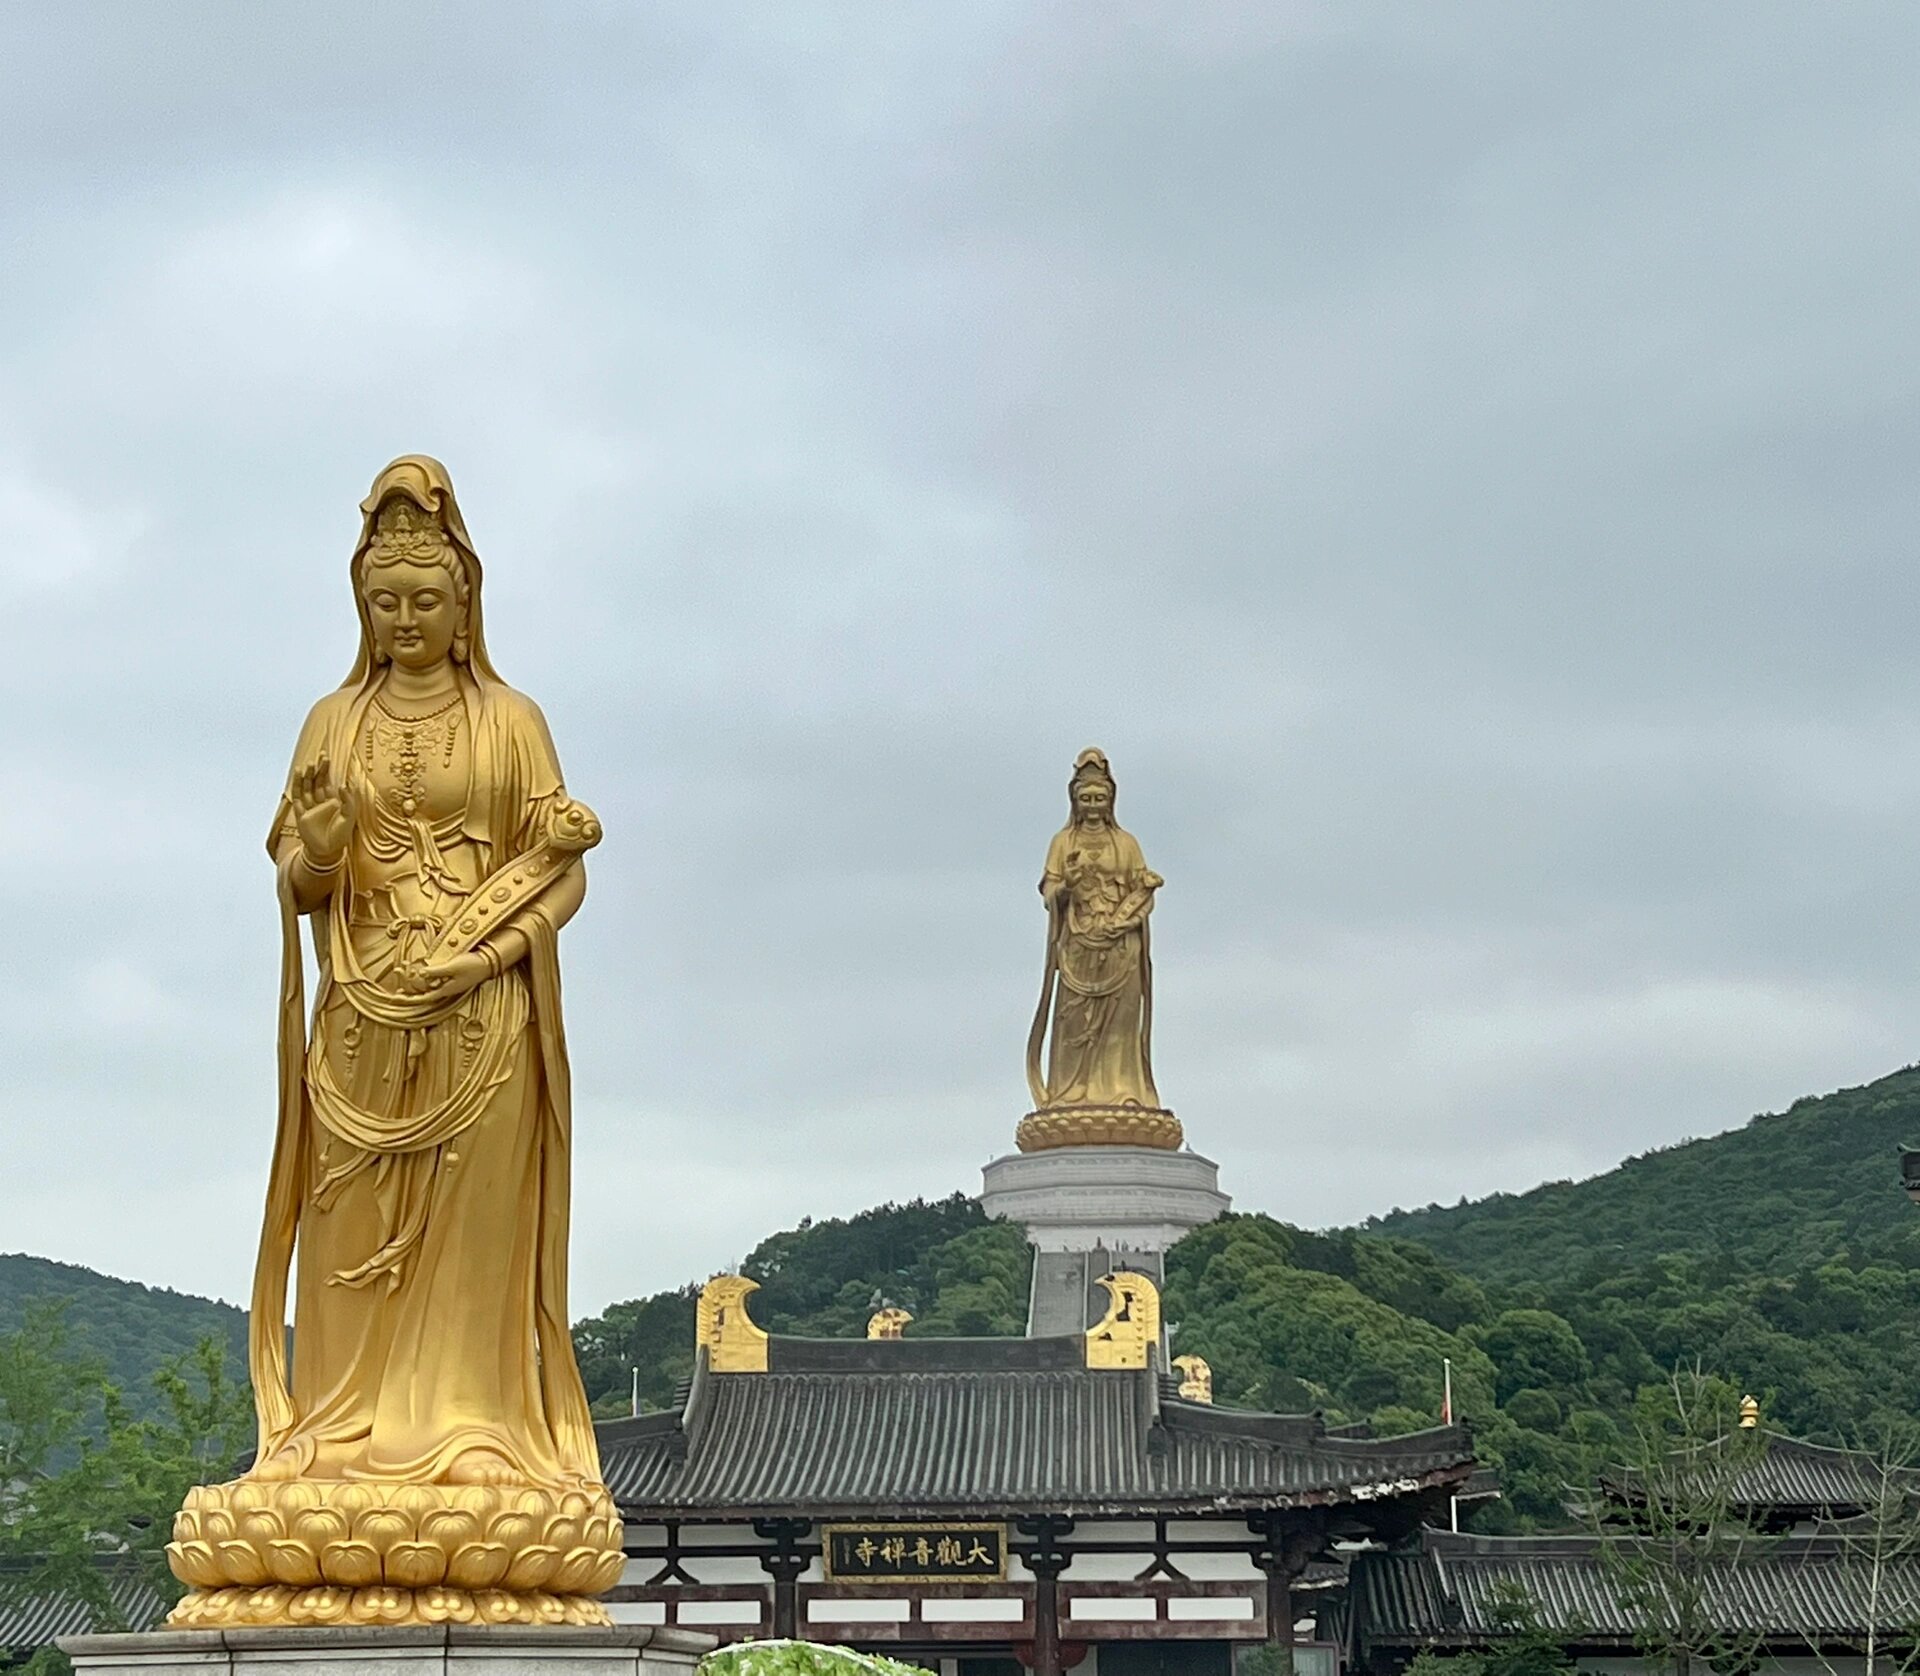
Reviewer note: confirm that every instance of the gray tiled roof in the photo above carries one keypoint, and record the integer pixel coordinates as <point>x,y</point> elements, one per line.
<point>1793,1474</point>
<point>1786,1483</point>
<point>1443,1591</point>
<point>29,1620</point>
<point>989,1427</point>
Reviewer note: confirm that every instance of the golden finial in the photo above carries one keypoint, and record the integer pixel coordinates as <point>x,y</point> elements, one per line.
<point>1749,1414</point>
<point>726,1331</point>
<point>1128,1331</point>
<point>890,1322</point>
<point>1196,1378</point>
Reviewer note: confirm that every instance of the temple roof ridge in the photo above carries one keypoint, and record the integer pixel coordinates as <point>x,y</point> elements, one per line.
<point>1001,1439</point>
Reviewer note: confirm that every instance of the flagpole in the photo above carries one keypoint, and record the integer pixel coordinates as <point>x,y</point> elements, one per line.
<point>636,1391</point>
<point>1446,1414</point>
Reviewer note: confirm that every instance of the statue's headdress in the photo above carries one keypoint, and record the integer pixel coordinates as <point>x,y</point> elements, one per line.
<point>404,530</point>
<point>410,513</point>
<point>1090,764</point>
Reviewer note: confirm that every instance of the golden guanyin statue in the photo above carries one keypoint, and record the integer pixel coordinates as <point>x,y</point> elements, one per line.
<point>430,1457</point>
<point>1097,1086</point>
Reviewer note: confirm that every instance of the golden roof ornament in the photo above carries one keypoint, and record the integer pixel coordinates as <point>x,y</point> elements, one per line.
<point>1095,1017</point>
<point>1126,1336</point>
<point>890,1322</point>
<point>725,1330</point>
<point>1749,1414</point>
<point>1196,1378</point>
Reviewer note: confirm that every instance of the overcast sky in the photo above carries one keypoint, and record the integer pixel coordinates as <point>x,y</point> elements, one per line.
<point>1459,462</point>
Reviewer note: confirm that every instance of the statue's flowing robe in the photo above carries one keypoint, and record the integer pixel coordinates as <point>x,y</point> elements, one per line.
<point>1100,1054</point>
<point>421,1162</point>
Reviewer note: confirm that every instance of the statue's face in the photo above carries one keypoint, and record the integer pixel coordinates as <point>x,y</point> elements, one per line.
<point>414,612</point>
<point>1093,802</point>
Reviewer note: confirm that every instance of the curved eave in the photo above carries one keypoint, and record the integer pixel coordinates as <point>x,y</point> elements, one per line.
<point>1436,1481</point>
<point>999,1442</point>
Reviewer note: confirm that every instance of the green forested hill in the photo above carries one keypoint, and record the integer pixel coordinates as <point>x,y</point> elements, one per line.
<point>133,1330</point>
<point>1782,1257</point>
<point>960,1276</point>
<point>1787,1192</point>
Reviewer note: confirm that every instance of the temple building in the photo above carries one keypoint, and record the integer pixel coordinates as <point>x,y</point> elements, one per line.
<point>1053,1501</point>
<point>1804,1604</point>
<point>32,1618</point>
<point>1802,1595</point>
<point>1059,1502</point>
<point>1122,1527</point>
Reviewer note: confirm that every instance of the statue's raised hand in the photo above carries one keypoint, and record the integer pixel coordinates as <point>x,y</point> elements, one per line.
<point>323,811</point>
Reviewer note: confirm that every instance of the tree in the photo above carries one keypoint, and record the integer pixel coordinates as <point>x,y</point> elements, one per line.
<point>652,1337</point>
<point>1284,1336</point>
<point>981,1280</point>
<point>1673,1520</point>
<point>956,1273</point>
<point>84,1480</point>
<point>1531,1350</point>
<point>1879,1551</point>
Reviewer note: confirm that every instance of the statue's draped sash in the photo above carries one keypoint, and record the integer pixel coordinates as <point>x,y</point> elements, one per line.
<point>514,784</point>
<point>1099,985</point>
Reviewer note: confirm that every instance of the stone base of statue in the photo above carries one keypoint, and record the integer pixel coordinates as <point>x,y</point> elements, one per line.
<point>1133,1198</point>
<point>1055,1126</point>
<point>258,1553</point>
<point>1089,1209</point>
<point>416,1650</point>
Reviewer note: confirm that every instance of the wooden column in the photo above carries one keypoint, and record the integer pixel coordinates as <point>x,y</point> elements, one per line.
<point>1280,1615</point>
<point>1283,1554</point>
<point>1046,1559</point>
<point>1046,1617</point>
<point>784,1563</point>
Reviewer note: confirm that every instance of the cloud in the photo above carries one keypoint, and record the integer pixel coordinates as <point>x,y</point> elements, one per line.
<point>1456,463</point>
<point>49,542</point>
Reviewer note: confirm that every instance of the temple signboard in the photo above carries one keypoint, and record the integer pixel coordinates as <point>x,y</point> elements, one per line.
<point>915,1553</point>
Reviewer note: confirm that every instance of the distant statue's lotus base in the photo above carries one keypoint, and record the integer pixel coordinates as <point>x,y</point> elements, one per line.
<point>1040,1131</point>
<point>260,1553</point>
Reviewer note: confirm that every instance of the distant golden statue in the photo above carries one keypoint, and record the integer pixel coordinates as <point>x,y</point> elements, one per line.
<point>1097,1087</point>
<point>432,1457</point>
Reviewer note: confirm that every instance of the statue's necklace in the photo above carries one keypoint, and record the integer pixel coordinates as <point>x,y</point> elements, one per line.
<point>403,736</point>
<point>393,715</point>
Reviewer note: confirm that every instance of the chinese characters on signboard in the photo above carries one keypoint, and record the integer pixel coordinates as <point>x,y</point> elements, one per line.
<point>915,1553</point>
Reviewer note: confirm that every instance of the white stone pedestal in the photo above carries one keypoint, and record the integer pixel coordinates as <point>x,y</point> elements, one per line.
<point>1088,1209</point>
<point>1077,1198</point>
<point>411,1650</point>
